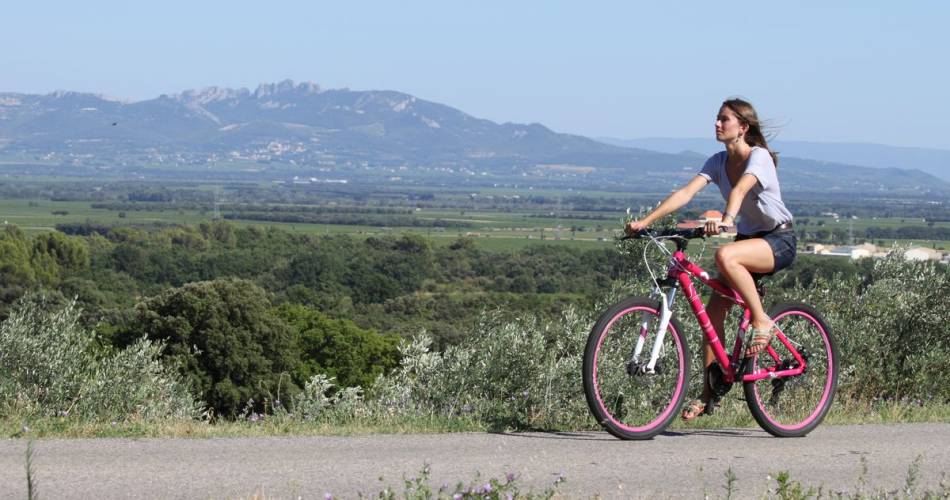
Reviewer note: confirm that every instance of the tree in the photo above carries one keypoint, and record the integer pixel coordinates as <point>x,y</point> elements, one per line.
<point>338,348</point>
<point>17,274</point>
<point>55,255</point>
<point>223,338</point>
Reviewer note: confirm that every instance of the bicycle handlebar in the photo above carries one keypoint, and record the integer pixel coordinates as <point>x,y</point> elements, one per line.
<point>688,234</point>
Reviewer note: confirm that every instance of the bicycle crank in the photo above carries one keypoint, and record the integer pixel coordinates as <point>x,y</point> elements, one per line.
<point>717,380</point>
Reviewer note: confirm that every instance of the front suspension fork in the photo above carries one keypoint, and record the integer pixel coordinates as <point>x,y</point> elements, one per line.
<point>666,312</point>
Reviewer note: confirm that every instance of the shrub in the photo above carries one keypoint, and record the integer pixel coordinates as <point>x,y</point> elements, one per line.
<point>52,366</point>
<point>891,331</point>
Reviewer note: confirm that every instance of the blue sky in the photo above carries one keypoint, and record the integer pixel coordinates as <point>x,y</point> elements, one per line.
<point>868,71</point>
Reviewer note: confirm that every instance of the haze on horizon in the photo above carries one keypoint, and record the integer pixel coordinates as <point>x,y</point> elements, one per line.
<point>849,72</point>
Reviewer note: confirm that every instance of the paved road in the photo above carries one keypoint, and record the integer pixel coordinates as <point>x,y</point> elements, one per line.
<point>686,464</point>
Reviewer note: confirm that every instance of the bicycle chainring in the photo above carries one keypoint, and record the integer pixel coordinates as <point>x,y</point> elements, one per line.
<point>717,380</point>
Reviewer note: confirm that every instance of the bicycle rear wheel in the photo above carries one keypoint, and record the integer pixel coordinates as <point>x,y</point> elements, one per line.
<point>626,401</point>
<point>793,406</point>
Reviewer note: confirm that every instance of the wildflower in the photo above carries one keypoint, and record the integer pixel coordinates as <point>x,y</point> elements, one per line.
<point>510,477</point>
<point>486,488</point>
<point>457,496</point>
<point>253,417</point>
<point>327,496</point>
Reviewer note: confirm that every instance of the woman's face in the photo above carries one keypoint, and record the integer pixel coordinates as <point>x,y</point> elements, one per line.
<point>728,126</point>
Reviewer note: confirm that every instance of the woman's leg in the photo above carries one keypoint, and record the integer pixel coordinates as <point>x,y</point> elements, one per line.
<point>717,309</point>
<point>737,261</point>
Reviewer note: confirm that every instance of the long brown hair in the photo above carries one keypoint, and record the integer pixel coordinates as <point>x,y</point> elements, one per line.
<point>748,116</point>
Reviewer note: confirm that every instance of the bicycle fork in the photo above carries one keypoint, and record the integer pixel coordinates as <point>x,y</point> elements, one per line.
<point>634,366</point>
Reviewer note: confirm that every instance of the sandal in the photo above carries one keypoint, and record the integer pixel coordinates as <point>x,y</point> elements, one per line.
<point>760,340</point>
<point>695,408</point>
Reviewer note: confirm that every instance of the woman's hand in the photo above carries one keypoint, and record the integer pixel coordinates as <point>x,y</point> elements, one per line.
<point>634,227</point>
<point>714,227</point>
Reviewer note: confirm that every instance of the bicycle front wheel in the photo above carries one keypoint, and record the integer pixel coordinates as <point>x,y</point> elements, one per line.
<point>629,400</point>
<point>793,406</point>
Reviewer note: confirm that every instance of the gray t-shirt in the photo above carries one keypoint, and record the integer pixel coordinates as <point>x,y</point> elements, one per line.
<point>762,209</point>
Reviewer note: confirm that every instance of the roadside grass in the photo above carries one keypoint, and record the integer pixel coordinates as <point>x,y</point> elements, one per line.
<point>733,414</point>
<point>781,485</point>
<point>58,427</point>
<point>778,484</point>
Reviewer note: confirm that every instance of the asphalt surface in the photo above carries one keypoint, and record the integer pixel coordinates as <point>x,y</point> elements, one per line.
<point>689,464</point>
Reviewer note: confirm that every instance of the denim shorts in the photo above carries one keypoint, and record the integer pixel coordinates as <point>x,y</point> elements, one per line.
<point>783,243</point>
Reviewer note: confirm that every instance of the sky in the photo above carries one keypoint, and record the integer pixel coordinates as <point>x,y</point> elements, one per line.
<point>845,71</point>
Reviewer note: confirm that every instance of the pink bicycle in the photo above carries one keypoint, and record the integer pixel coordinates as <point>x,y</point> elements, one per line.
<point>636,362</point>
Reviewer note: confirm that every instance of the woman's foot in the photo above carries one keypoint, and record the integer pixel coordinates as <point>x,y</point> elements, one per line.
<point>760,339</point>
<point>694,409</point>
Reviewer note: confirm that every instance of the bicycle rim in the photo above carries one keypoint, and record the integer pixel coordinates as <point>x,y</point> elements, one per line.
<point>793,406</point>
<point>634,405</point>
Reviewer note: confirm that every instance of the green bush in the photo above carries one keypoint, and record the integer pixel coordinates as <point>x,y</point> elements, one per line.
<point>224,338</point>
<point>338,348</point>
<point>52,366</point>
<point>892,331</point>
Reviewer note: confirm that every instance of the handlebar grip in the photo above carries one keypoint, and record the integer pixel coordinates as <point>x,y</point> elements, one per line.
<point>635,236</point>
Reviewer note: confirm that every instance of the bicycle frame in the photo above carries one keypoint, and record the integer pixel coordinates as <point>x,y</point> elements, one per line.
<point>681,272</point>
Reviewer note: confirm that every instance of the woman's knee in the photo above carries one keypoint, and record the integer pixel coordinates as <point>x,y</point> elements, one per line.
<point>724,256</point>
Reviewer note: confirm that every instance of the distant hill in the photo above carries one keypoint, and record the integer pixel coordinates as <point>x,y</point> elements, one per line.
<point>289,128</point>
<point>935,162</point>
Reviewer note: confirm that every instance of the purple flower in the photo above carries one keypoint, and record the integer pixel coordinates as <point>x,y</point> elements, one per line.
<point>253,417</point>
<point>457,496</point>
<point>486,488</point>
<point>510,477</point>
<point>327,496</point>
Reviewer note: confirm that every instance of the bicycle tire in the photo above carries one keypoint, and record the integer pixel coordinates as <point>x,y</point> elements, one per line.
<point>634,406</point>
<point>794,406</point>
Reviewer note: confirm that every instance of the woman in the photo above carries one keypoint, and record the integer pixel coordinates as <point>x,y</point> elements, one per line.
<point>746,175</point>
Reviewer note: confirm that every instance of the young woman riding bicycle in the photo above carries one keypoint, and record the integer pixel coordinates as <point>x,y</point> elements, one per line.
<point>746,175</point>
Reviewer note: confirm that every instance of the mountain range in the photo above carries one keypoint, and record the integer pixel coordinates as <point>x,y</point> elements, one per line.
<point>930,160</point>
<point>301,127</point>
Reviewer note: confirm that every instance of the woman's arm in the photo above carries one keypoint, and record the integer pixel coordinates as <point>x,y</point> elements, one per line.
<point>672,203</point>
<point>738,193</point>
